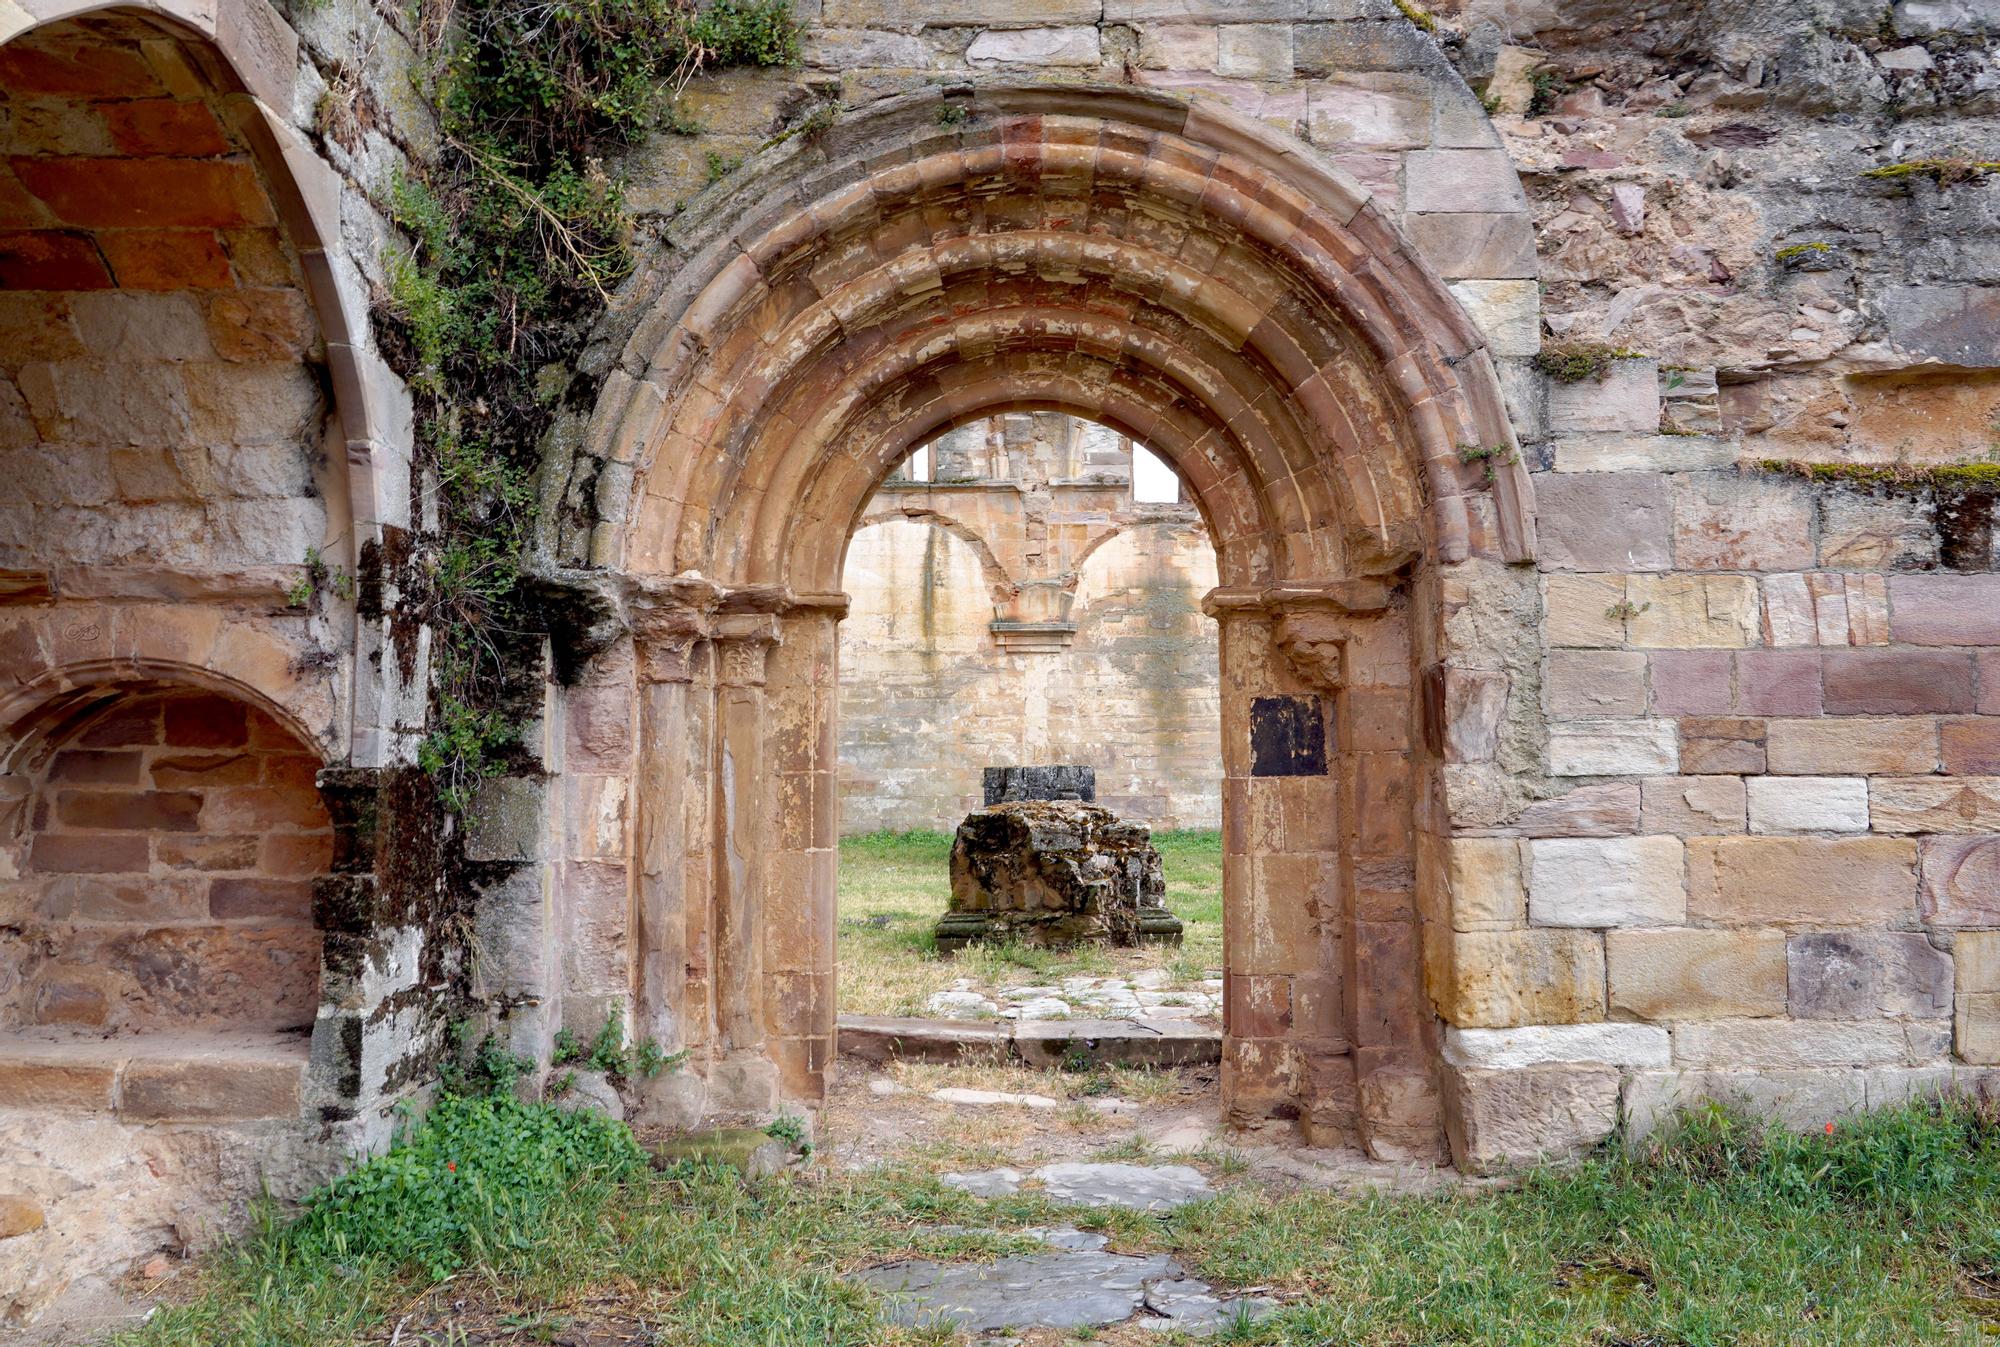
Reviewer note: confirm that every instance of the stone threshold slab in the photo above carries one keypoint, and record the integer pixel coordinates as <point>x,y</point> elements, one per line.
<point>1047,1044</point>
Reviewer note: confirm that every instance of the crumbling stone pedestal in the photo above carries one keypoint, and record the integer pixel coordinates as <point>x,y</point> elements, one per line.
<point>1055,873</point>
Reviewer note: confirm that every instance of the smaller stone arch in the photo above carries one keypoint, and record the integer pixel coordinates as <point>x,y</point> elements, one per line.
<point>1000,585</point>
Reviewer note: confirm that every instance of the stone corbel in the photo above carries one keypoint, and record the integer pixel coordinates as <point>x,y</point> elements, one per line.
<point>1311,620</point>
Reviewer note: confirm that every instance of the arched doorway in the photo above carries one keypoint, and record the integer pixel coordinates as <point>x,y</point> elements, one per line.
<point>1192,281</point>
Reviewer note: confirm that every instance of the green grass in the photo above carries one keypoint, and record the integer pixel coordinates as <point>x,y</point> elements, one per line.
<point>894,886</point>
<point>1884,1233</point>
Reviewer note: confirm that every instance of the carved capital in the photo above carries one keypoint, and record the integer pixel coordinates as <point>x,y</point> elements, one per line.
<point>1311,620</point>
<point>743,643</point>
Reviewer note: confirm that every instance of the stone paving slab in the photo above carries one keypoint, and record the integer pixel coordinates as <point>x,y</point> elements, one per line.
<point>1135,1187</point>
<point>1038,1043</point>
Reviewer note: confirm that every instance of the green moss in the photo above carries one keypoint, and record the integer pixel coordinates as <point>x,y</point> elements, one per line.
<point>1572,362</point>
<point>1796,251</point>
<point>1417,16</point>
<point>1981,475</point>
<point>1944,172</point>
<point>517,237</point>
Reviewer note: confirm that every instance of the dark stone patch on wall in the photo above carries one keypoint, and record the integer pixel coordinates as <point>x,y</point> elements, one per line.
<point>1287,736</point>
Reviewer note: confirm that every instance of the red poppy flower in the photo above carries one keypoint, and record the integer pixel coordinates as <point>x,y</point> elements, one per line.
<point>452,1165</point>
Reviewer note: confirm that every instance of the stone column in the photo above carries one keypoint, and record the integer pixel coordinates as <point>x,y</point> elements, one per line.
<point>672,998</point>
<point>802,695</point>
<point>741,819</point>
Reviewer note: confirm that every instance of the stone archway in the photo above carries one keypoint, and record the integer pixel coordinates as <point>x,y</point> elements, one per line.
<point>1194,281</point>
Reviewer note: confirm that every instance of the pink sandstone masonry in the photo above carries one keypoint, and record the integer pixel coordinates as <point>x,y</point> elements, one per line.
<point>1579,749</point>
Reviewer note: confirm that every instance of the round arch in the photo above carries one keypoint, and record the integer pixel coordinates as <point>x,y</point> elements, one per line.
<point>249,54</point>
<point>1195,281</point>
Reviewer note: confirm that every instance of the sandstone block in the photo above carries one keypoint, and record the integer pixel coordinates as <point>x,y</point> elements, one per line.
<point>1694,682</point>
<point>1988,664</point>
<point>1897,682</point>
<point>1722,744</point>
<point>1804,804</point>
<point>1683,612</point>
<point>1490,978</point>
<point>1960,881</point>
<point>1688,806</point>
<point>1612,747</point>
<point>1976,1027</point>
<point>1458,246</point>
<point>1476,181</point>
<point>1606,809</point>
<point>1638,452</point>
<point>1800,881</point>
<point>1626,399</point>
<point>1687,975</point>
<point>1935,804</point>
<point>1626,1045</point>
<point>1778,683</point>
<point>1596,683</point>
<point>1611,521</point>
<point>1581,610</point>
<point>1971,747</point>
<point>208,1089</point>
<point>1612,881</point>
<point>1178,46</point>
<point>1507,313</point>
<point>1977,957</point>
<point>1254,51</point>
<point>1860,530</point>
<point>1795,1045</point>
<point>1727,522</point>
<point>1073,46</point>
<point>1856,747</point>
<point>1499,1119</point>
<point>56,1087</point>
<point>1858,975</point>
<point>1487,885</point>
<point>1803,1100</point>
<point>1945,609</point>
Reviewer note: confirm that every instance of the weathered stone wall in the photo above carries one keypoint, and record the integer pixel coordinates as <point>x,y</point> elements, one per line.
<point>191,412</point>
<point>166,851</point>
<point>1022,606</point>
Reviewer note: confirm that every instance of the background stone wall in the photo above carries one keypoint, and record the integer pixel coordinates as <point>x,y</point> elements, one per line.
<point>1108,660</point>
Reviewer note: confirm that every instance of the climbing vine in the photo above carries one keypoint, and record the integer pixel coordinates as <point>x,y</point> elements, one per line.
<point>518,233</point>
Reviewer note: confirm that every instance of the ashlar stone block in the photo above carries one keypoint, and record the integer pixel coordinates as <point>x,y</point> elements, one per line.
<point>1596,683</point>
<point>1695,974</point>
<point>1504,1118</point>
<point>1801,881</point>
<point>1849,747</point>
<point>1689,806</point>
<point>1683,612</point>
<point>1805,804</point>
<point>1488,885</point>
<point>1798,1044</point>
<point>1613,748</point>
<point>1607,521</point>
<point>1624,1045</point>
<point>1932,804</point>
<point>1606,881</point>
<point>1498,978</point>
<point>1856,975</point>
<point>1724,521</point>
